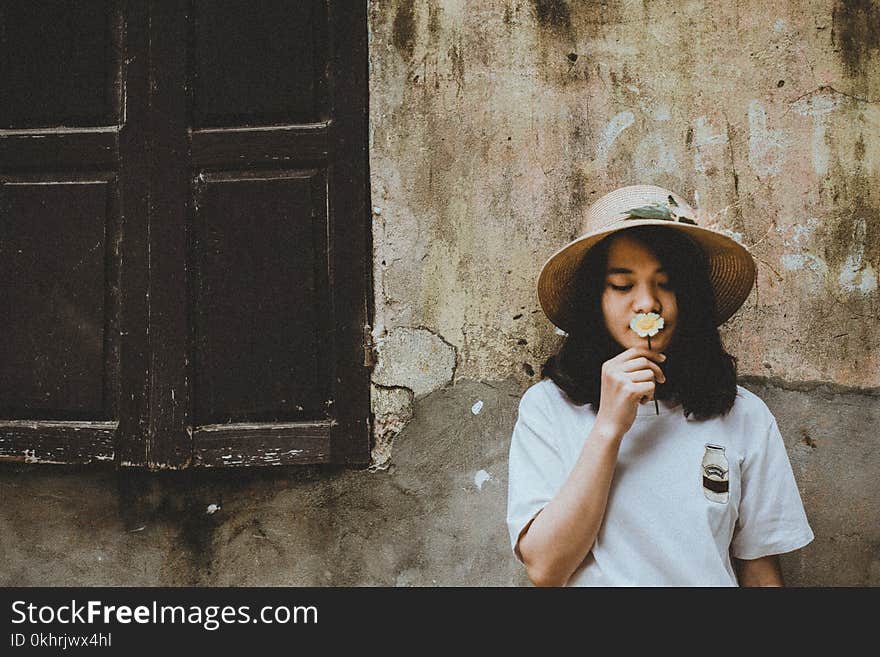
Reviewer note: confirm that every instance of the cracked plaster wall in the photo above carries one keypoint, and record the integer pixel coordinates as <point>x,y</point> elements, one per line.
<point>493,124</point>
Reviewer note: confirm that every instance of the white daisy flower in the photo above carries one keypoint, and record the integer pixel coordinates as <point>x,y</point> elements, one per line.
<point>646,324</point>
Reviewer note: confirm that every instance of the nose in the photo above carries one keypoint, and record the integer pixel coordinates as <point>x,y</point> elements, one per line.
<point>646,300</point>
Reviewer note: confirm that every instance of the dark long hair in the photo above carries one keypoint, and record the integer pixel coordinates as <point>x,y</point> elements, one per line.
<point>700,374</point>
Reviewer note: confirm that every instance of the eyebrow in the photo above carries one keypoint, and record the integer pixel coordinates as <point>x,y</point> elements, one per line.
<point>624,270</point>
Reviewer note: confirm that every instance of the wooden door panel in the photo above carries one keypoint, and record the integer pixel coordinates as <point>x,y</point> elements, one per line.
<point>61,228</point>
<point>260,289</point>
<point>290,111</point>
<point>53,310</point>
<point>64,149</point>
<point>257,64</point>
<point>280,146</point>
<point>63,61</point>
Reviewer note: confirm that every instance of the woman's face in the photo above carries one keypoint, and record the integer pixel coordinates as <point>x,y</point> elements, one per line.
<point>635,282</point>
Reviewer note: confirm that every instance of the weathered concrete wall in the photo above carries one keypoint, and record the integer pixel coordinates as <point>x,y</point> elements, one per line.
<point>835,453</point>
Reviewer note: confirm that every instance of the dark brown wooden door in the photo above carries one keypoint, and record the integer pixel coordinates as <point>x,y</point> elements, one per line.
<point>184,218</point>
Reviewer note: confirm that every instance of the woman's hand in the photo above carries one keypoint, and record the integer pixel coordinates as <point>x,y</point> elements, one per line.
<point>627,379</point>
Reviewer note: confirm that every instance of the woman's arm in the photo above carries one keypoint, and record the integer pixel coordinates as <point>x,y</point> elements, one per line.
<point>764,571</point>
<point>562,534</point>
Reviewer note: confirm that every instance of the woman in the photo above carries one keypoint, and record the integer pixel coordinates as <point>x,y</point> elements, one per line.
<point>609,487</point>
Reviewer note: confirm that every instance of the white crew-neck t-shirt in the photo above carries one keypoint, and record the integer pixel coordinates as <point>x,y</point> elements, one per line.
<point>685,497</point>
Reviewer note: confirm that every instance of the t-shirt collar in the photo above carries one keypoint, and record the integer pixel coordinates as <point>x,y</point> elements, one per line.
<point>647,410</point>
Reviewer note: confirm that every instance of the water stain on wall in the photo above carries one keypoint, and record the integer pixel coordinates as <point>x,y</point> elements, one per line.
<point>434,18</point>
<point>456,58</point>
<point>859,149</point>
<point>855,31</point>
<point>856,241</point>
<point>403,29</point>
<point>553,14</point>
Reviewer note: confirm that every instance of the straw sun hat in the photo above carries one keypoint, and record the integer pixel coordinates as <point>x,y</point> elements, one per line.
<point>731,267</point>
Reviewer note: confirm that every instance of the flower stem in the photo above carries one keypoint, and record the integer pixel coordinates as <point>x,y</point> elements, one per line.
<point>656,407</point>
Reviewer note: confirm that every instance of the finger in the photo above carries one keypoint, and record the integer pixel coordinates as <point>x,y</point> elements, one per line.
<point>643,390</point>
<point>643,363</point>
<point>637,352</point>
<point>632,352</point>
<point>639,363</point>
<point>642,376</point>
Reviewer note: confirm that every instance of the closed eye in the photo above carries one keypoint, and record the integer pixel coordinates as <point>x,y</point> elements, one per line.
<point>624,288</point>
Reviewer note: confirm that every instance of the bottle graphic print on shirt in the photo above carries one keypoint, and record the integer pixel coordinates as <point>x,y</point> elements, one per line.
<point>716,481</point>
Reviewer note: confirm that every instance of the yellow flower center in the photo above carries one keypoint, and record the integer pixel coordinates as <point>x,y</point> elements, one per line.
<point>646,323</point>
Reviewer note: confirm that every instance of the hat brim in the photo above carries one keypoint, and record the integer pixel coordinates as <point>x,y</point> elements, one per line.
<point>732,269</point>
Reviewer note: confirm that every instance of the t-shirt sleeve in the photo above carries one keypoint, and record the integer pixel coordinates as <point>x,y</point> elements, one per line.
<point>535,466</point>
<point>771,515</point>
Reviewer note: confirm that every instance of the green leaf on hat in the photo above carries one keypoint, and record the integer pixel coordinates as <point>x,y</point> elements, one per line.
<point>659,211</point>
<point>654,211</point>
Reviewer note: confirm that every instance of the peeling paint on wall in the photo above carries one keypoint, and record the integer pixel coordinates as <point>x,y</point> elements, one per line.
<point>655,157</point>
<point>709,146</point>
<point>392,408</point>
<point>616,125</point>
<point>414,358</point>
<point>481,478</point>
<point>818,105</point>
<point>766,146</point>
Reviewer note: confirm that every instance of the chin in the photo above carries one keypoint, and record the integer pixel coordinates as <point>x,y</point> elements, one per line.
<point>633,342</point>
<point>630,342</point>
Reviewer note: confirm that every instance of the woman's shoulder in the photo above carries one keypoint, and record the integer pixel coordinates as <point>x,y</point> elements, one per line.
<point>750,407</point>
<point>544,394</point>
<point>538,393</point>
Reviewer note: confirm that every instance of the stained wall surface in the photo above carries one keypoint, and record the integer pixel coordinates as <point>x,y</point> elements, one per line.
<point>494,124</point>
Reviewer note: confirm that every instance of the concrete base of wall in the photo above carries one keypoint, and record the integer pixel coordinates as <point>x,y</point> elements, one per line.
<point>434,517</point>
